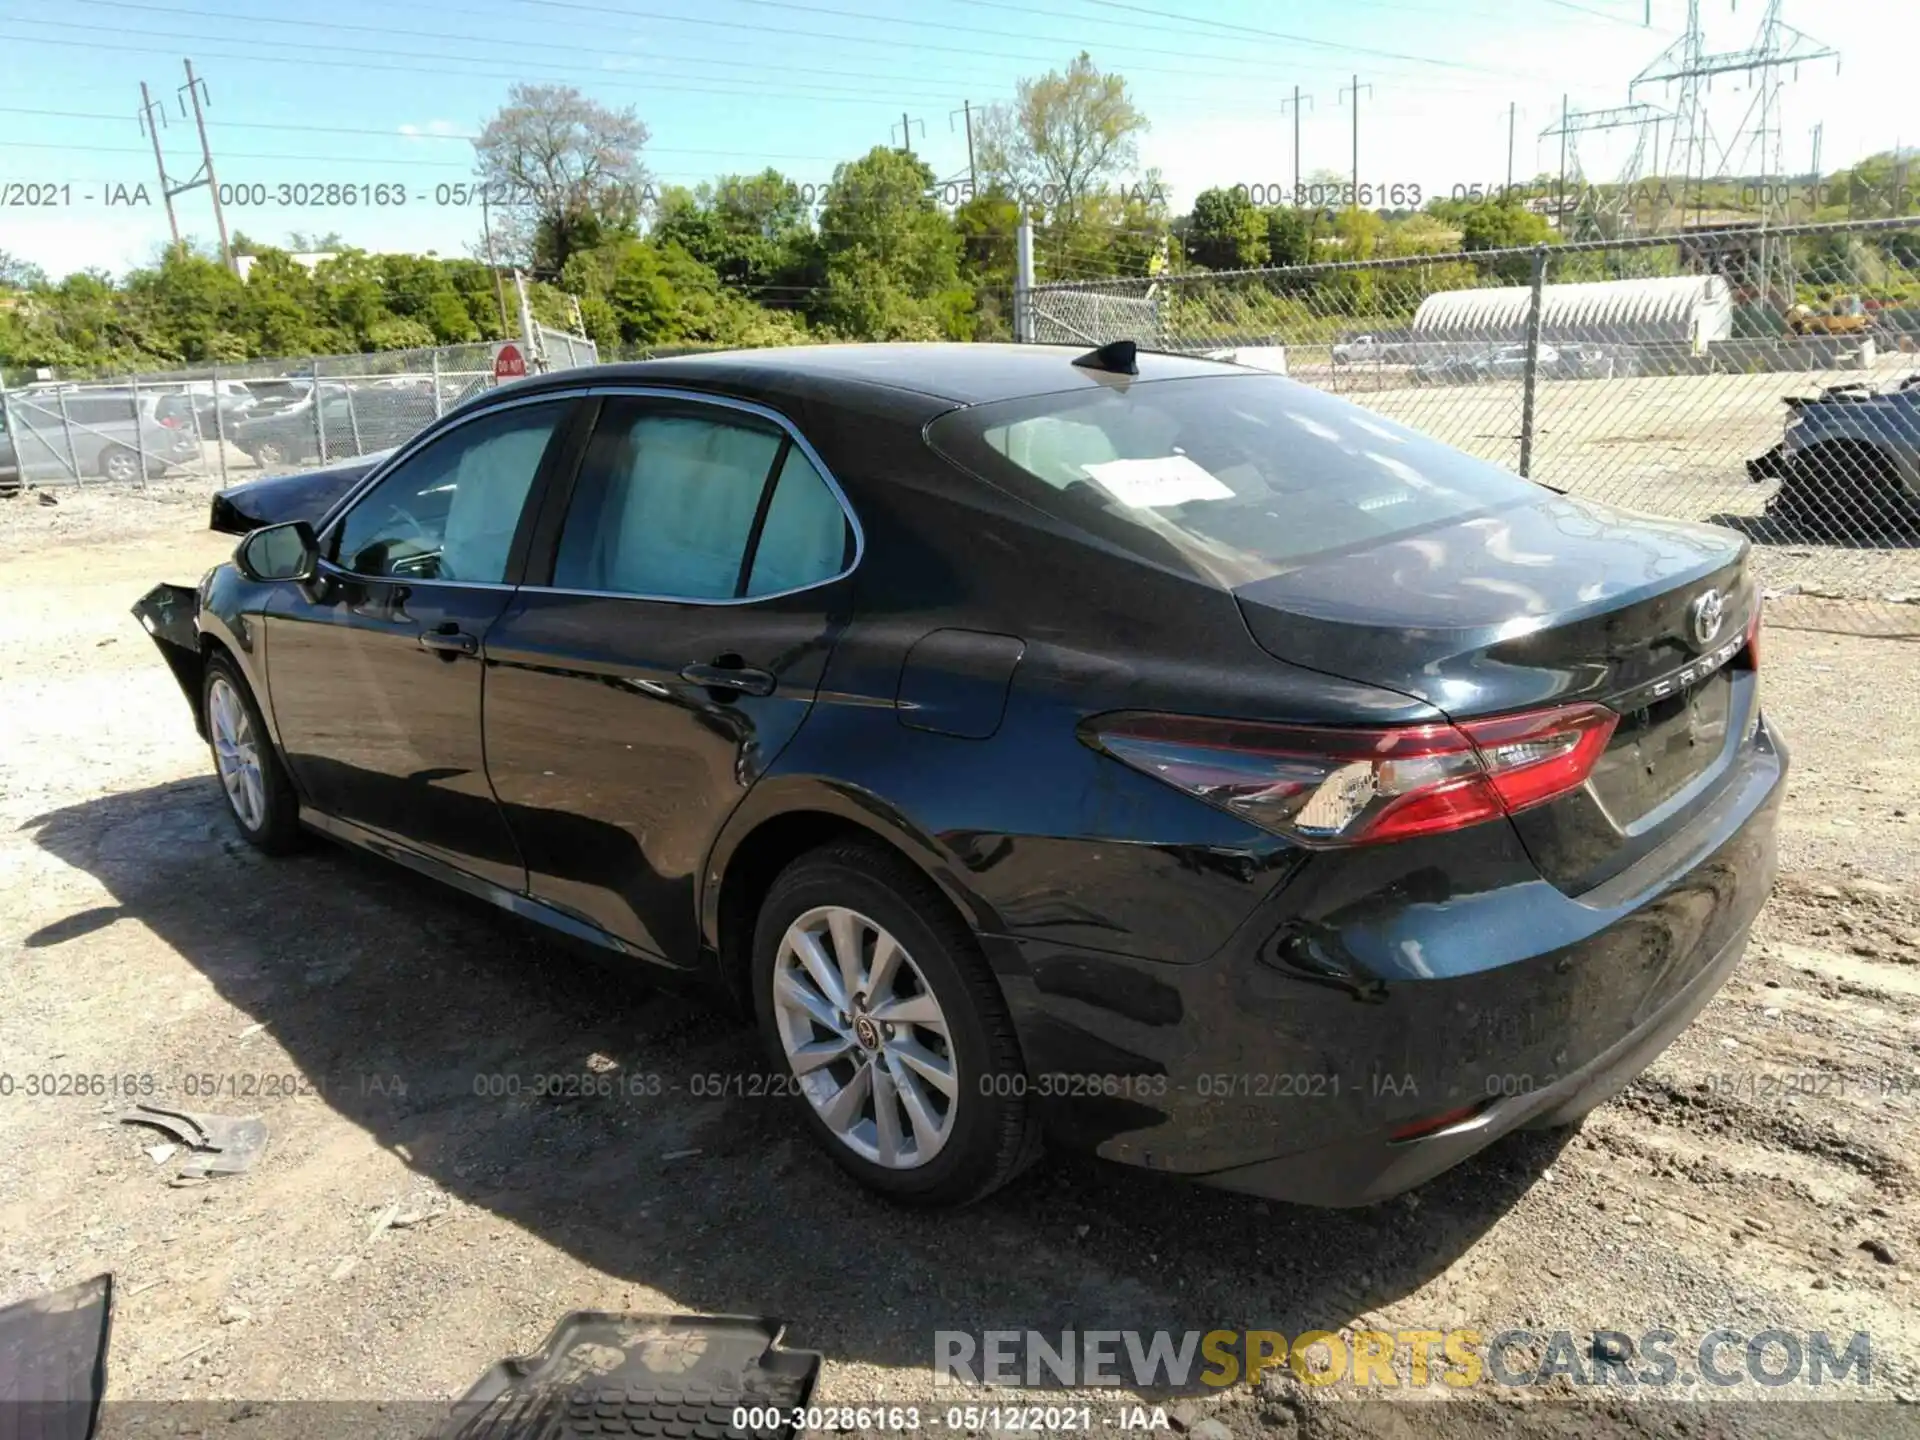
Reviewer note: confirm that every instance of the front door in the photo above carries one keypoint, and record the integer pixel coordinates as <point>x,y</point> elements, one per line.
<point>633,699</point>
<point>375,671</point>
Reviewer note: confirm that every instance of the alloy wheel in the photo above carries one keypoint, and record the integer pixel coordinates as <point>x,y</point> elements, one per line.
<point>866,1037</point>
<point>236,753</point>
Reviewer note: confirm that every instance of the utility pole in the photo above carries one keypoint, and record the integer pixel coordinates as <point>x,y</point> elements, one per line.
<point>1295,104</point>
<point>196,89</point>
<point>966,109</point>
<point>1560,200</point>
<point>1354,89</point>
<point>1513,115</point>
<point>486,235</point>
<point>147,111</point>
<point>906,131</point>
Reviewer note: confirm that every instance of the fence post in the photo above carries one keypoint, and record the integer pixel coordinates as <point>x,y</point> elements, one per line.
<point>319,414</point>
<point>66,429</point>
<point>1533,360</point>
<point>6,431</point>
<point>139,432</point>
<point>219,428</point>
<point>1023,281</point>
<point>528,334</point>
<point>439,405</point>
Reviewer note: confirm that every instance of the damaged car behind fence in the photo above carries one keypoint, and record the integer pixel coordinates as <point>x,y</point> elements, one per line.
<point>1146,753</point>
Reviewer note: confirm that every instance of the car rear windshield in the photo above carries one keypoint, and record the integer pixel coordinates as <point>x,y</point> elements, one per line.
<point>1236,478</point>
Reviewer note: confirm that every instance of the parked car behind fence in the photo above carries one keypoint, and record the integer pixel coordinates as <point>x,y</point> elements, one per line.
<point>67,432</point>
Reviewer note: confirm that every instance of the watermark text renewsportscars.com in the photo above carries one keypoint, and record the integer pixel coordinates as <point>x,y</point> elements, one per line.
<point>1384,1359</point>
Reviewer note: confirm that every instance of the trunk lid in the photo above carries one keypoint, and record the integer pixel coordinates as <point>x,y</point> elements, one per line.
<point>1549,602</point>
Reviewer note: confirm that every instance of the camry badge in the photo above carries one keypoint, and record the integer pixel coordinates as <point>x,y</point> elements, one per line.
<point>1704,616</point>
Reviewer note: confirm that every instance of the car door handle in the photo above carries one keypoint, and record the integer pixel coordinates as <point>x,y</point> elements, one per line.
<point>730,677</point>
<point>450,642</point>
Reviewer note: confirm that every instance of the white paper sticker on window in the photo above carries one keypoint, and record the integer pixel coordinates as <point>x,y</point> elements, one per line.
<point>1151,484</point>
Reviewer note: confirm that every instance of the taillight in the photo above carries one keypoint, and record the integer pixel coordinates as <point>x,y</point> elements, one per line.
<point>1326,786</point>
<point>1753,634</point>
<point>169,422</point>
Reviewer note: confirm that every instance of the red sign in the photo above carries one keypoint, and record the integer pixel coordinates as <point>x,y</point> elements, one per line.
<point>509,363</point>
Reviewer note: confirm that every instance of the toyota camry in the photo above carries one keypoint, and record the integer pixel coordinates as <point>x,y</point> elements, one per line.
<point>1155,756</point>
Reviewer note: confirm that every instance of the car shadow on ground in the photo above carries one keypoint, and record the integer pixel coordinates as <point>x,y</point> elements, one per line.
<point>419,1010</point>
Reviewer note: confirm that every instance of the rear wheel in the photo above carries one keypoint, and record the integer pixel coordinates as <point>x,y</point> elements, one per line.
<point>260,797</point>
<point>120,466</point>
<point>873,998</point>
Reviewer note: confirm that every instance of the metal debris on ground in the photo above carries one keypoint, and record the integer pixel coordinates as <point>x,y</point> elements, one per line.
<point>221,1144</point>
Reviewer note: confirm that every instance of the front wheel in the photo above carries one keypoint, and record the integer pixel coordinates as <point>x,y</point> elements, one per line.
<point>260,797</point>
<point>873,999</point>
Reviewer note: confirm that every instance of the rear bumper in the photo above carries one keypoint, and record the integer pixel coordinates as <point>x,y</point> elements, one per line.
<point>1353,1006</point>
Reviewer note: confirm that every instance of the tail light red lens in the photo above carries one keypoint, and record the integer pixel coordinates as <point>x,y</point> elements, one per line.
<point>170,422</point>
<point>1324,786</point>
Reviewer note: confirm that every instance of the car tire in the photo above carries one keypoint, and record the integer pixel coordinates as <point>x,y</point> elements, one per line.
<point>120,466</point>
<point>986,1133</point>
<point>260,795</point>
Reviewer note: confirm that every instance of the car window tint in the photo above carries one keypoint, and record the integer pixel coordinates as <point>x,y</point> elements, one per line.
<point>449,511</point>
<point>1231,477</point>
<point>665,506</point>
<point>804,537</point>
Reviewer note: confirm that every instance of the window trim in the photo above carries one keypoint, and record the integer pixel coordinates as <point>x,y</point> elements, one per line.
<point>795,440</point>
<point>330,525</point>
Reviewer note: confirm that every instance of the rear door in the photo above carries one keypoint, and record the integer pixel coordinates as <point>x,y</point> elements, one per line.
<point>374,673</point>
<point>667,646</point>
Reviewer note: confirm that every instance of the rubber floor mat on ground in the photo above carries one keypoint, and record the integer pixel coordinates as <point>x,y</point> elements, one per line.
<point>690,1377</point>
<point>53,1362</point>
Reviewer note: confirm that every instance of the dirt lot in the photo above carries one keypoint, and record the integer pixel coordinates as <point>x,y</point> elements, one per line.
<point>404,1232</point>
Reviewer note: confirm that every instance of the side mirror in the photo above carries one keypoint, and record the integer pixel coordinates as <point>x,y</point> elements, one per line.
<point>279,552</point>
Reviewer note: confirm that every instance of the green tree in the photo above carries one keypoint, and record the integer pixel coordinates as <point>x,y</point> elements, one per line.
<point>988,223</point>
<point>1493,226</point>
<point>891,257</point>
<point>1290,232</point>
<point>1066,136</point>
<point>1226,231</point>
<point>751,230</point>
<point>568,169</point>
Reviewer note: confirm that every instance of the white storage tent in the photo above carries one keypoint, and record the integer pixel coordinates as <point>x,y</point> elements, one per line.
<point>1689,310</point>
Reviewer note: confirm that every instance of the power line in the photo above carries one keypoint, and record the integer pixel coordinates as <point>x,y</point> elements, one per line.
<point>307,59</point>
<point>226,124</point>
<point>586,6</point>
<point>1274,35</point>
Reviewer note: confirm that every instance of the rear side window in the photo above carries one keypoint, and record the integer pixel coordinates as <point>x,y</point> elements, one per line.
<point>1236,478</point>
<point>804,537</point>
<point>693,502</point>
<point>666,506</point>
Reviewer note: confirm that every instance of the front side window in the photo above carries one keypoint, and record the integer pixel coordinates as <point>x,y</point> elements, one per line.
<point>449,511</point>
<point>673,502</point>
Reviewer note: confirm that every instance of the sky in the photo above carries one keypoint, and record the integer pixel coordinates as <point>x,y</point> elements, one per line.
<point>378,93</point>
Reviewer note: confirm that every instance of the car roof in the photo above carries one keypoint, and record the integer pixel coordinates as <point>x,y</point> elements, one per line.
<point>958,373</point>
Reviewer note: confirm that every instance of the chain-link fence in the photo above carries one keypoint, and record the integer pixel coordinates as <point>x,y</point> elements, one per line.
<point>234,422</point>
<point>1766,380</point>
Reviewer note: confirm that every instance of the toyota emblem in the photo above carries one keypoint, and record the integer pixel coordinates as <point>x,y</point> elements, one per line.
<point>1704,616</point>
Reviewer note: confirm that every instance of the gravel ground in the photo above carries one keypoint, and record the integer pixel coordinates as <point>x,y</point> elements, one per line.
<point>404,1232</point>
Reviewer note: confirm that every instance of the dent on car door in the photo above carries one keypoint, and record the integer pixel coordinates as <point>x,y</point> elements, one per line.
<point>674,649</point>
<point>374,671</point>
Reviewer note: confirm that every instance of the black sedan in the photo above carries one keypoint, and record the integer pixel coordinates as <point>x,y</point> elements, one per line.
<point>1135,750</point>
